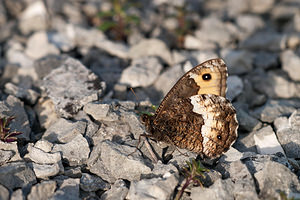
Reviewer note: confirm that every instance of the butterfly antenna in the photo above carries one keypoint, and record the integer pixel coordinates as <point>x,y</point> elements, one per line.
<point>137,99</point>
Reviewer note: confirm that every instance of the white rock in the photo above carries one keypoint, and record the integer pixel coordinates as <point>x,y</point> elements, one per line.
<point>38,46</point>
<point>266,141</point>
<point>142,72</point>
<point>39,156</point>
<point>291,64</point>
<point>44,171</point>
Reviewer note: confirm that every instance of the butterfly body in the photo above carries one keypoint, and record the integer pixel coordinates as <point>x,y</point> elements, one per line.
<point>195,114</point>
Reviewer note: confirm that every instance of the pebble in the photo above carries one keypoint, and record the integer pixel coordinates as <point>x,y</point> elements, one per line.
<point>64,131</point>
<point>39,156</point>
<point>118,191</point>
<point>142,72</point>
<point>28,95</point>
<point>86,87</point>
<point>234,88</point>
<point>75,152</point>
<point>42,191</point>
<point>151,47</point>
<point>4,193</point>
<point>92,183</point>
<point>291,64</point>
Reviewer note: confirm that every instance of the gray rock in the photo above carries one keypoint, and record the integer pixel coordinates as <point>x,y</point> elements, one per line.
<point>113,48</point>
<point>46,64</point>
<point>44,171</point>
<point>238,61</point>
<point>168,78</point>
<point>71,86</point>
<point>38,46</point>
<point>281,123</point>
<point>28,95</point>
<point>260,7</point>
<point>246,121</point>
<point>237,7</point>
<point>266,141</point>
<point>249,23</point>
<point>291,64</point>
<point>10,147</point>
<point>221,189</point>
<point>42,191</point>
<point>44,145</point>
<point>17,195</point>
<point>192,42</point>
<point>3,18</point>
<point>214,30</point>
<point>92,183</point>
<point>275,108</point>
<point>265,60</point>
<point>75,152</point>
<point>69,190</point>
<point>64,131</point>
<point>100,112</point>
<point>155,188</point>
<point>235,87</point>
<point>33,18</point>
<point>264,40</point>
<point>45,110</point>
<point>275,178</point>
<point>73,172</point>
<point>39,156</point>
<point>118,191</point>
<point>5,156</point>
<point>14,107</point>
<point>288,136</point>
<point>142,72</point>
<point>151,47</point>
<point>15,54</point>
<point>4,193</point>
<point>16,175</point>
<point>111,161</point>
<point>61,41</point>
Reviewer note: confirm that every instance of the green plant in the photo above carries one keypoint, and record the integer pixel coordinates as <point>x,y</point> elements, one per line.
<point>117,21</point>
<point>5,134</point>
<point>193,173</point>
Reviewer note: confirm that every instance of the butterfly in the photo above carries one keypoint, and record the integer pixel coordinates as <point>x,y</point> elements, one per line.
<point>195,114</point>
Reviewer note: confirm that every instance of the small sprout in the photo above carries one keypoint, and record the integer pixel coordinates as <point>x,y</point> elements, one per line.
<point>193,173</point>
<point>117,21</point>
<point>153,107</point>
<point>5,134</point>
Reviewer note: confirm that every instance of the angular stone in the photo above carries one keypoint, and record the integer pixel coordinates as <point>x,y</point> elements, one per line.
<point>235,87</point>
<point>45,111</point>
<point>28,95</point>
<point>110,161</point>
<point>39,156</point>
<point>156,188</point>
<point>92,183</point>
<point>100,112</point>
<point>44,171</point>
<point>151,47</point>
<point>14,107</point>
<point>142,72</point>
<point>75,152</point>
<point>118,191</point>
<point>5,156</point>
<point>291,64</point>
<point>265,40</point>
<point>64,131</point>
<point>10,147</point>
<point>16,175</point>
<point>265,60</point>
<point>192,42</point>
<point>238,61</point>
<point>266,141</point>
<point>44,145</point>
<point>250,23</point>
<point>86,87</point>
<point>4,193</point>
<point>246,121</point>
<point>33,18</point>
<point>42,191</point>
<point>113,48</point>
<point>69,189</point>
<point>275,178</point>
<point>275,108</point>
<point>38,46</point>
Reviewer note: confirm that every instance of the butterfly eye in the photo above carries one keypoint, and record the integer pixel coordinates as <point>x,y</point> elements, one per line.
<point>219,137</point>
<point>206,77</point>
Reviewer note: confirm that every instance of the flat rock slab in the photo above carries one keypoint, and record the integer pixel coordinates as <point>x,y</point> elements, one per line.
<point>71,86</point>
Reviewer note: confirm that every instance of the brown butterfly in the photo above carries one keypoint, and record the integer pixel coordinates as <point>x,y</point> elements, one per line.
<point>195,115</point>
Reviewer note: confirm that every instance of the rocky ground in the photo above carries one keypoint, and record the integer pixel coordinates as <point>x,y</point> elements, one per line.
<point>67,83</point>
